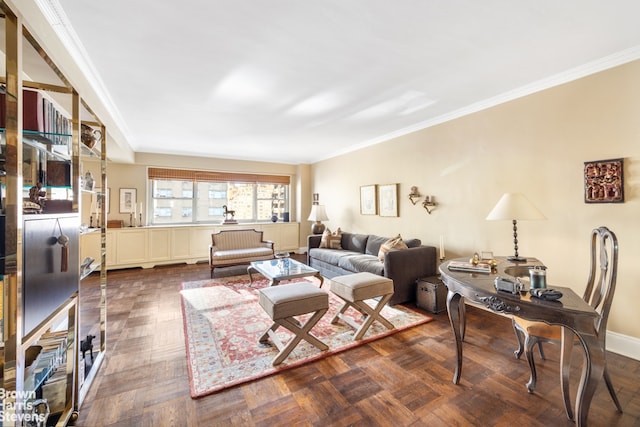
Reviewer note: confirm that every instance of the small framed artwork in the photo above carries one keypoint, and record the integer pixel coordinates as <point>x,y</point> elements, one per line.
<point>107,198</point>
<point>388,200</point>
<point>127,200</point>
<point>604,181</point>
<point>368,201</point>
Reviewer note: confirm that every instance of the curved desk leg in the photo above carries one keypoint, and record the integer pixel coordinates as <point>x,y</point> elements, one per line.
<point>457,318</point>
<point>565,368</point>
<point>462,308</point>
<point>592,371</point>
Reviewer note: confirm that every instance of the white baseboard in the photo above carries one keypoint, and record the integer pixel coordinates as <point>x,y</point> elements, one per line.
<point>623,344</point>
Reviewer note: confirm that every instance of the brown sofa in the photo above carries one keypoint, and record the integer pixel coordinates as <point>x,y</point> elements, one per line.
<point>360,253</point>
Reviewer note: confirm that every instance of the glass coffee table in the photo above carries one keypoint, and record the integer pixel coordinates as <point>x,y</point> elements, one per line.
<point>277,270</point>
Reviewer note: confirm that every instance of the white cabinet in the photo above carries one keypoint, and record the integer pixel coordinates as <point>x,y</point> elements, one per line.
<point>90,246</point>
<point>283,235</point>
<point>200,239</point>
<point>111,248</point>
<point>149,246</point>
<point>159,244</point>
<point>131,246</point>
<point>181,247</point>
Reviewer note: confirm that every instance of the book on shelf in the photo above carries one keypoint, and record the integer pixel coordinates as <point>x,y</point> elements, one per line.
<point>481,267</point>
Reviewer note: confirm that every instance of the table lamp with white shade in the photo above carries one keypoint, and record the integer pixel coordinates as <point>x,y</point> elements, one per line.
<point>318,214</point>
<point>514,207</point>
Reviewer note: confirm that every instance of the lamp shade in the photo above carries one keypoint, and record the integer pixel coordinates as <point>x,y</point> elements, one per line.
<point>318,213</point>
<point>515,206</point>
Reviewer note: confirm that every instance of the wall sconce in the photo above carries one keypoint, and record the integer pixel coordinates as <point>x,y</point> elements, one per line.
<point>429,203</point>
<point>414,195</point>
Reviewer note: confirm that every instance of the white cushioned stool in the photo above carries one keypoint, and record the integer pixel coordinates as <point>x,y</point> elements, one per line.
<point>282,303</point>
<point>354,289</point>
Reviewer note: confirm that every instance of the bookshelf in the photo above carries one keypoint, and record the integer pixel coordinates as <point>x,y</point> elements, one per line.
<point>41,291</point>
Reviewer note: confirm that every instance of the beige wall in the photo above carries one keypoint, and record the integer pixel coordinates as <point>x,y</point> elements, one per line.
<point>535,145</point>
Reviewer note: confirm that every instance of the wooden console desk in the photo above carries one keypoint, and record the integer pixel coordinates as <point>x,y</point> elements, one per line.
<point>571,312</point>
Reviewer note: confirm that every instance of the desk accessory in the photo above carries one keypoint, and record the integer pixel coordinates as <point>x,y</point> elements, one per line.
<point>506,284</point>
<point>546,294</point>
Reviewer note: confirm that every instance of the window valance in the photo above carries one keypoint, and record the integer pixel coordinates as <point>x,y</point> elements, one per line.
<point>211,176</point>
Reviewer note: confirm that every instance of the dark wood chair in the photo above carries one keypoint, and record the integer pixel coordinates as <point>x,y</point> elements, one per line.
<point>599,293</point>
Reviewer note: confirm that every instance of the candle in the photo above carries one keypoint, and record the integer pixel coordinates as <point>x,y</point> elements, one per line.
<point>134,209</point>
<point>442,256</point>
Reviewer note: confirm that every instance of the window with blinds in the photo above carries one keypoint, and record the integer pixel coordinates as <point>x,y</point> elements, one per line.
<point>180,196</point>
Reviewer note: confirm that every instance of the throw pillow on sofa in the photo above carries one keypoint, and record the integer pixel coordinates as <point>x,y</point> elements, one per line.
<point>393,244</point>
<point>331,240</point>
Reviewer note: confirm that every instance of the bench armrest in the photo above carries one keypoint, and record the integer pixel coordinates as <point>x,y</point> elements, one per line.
<point>267,244</point>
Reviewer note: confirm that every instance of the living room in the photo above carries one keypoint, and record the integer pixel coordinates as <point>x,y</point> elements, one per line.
<point>534,140</point>
<point>467,164</point>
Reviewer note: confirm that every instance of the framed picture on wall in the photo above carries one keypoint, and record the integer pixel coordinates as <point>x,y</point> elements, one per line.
<point>604,181</point>
<point>368,201</point>
<point>128,200</point>
<point>388,199</point>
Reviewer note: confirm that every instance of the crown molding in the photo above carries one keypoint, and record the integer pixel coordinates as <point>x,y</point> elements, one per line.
<point>593,67</point>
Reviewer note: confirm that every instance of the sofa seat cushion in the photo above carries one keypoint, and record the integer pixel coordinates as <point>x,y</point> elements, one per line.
<point>236,254</point>
<point>362,263</point>
<point>330,256</point>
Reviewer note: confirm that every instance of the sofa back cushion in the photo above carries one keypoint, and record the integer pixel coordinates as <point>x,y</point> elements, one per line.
<point>412,243</point>
<point>354,242</point>
<point>373,244</point>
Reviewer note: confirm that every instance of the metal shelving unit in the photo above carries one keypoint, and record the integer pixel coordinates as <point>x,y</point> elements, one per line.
<point>40,347</point>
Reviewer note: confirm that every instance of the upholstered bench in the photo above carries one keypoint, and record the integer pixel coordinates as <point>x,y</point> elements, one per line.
<point>238,247</point>
<point>282,303</point>
<point>354,289</point>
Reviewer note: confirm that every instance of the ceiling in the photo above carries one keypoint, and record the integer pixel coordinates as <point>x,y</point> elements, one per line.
<point>296,82</point>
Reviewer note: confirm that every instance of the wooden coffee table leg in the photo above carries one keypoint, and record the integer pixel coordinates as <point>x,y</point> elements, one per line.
<point>249,270</point>
<point>319,276</point>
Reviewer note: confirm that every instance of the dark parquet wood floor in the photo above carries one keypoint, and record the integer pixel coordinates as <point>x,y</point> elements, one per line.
<point>402,380</point>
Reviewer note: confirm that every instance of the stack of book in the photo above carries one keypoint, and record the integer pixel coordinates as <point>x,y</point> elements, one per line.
<point>481,267</point>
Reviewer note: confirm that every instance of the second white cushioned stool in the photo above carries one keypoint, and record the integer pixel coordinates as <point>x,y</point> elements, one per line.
<point>282,303</point>
<point>354,289</point>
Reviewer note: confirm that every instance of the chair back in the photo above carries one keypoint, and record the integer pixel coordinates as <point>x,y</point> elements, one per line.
<point>603,274</point>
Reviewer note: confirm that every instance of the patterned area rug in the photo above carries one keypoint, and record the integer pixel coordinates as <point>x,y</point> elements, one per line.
<point>223,321</point>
